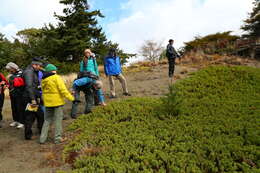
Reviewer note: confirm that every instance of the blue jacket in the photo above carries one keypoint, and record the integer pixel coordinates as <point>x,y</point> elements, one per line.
<point>90,66</point>
<point>112,66</point>
<point>85,81</point>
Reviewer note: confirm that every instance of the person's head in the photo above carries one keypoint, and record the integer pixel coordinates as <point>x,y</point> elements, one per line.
<point>12,67</point>
<point>87,53</point>
<point>112,52</point>
<point>37,64</point>
<point>51,68</point>
<point>98,85</point>
<point>171,41</point>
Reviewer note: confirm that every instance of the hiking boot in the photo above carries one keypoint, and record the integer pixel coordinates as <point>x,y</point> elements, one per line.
<point>20,126</point>
<point>127,94</point>
<point>61,140</point>
<point>73,116</point>
<point>13,124</point>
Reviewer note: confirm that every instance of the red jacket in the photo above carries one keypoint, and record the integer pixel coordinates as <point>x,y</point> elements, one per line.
<point>3,83</point>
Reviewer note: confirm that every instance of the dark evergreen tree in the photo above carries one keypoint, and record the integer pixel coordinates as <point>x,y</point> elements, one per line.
<point>77,30</point>
<point>252,24</point>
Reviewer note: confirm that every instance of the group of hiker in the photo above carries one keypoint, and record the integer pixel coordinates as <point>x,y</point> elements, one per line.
<point>38,92</point>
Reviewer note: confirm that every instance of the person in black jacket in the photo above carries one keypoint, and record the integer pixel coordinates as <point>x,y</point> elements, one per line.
<point>16,89</point>
<point>32,95</point>
<point>171,54</point>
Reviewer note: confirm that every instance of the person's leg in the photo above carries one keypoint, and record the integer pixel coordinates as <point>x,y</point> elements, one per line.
<point>171,66</point>
<point>2,98</point>
<point>49,114</point>
<point>18,112</point>
<point>40,119</point>
<point>58,116</point>
<point>74,109</point>
<point>89,97</point>
<point>29,120</point>
<point>13,101</point>
<point>112,86</point>
<point>101,97</point>
<point>122,80</point>
<point>96,99</point>
<point>21,106</point>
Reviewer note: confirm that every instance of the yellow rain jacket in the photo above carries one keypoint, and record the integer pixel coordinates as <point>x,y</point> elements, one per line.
<point>54,91</point>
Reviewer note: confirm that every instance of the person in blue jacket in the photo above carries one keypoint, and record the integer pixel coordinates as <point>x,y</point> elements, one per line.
<point>113,69</point>
<point>89,86</point>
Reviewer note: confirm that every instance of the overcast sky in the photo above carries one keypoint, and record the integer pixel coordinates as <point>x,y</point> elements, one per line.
<point>130,22</point>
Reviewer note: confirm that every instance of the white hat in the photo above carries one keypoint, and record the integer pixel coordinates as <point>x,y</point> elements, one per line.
<point>12,65</point>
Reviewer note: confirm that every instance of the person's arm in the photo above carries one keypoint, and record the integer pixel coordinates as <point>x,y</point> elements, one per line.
<point>4,80</point>
<point>175,53</point>
<point>81,66</point>
<point>82,81</point>
<point>28,77</point>
<point>105,66</point>
<point>120,65</point>
<point>96,66</point>
<point>63,89</point>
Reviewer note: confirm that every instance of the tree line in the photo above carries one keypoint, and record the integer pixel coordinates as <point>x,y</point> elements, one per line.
<point>77,29</point>
<point>62,43</point>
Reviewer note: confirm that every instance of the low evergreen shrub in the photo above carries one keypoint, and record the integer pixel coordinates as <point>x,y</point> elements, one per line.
<point>208,123</point>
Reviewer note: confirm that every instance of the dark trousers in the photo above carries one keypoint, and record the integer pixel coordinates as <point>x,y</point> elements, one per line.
<point>17,108</point>
<point>30,118</point>
<point>2,99</point>
<point>171,66</point>
<point>89,98</point>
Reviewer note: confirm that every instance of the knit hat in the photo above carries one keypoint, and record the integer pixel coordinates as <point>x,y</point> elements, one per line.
<point>37,61</point>
<point>11,65</point>
<point>50,67</point>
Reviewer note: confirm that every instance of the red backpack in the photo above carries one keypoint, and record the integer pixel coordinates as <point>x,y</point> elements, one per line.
<point>18,82</point>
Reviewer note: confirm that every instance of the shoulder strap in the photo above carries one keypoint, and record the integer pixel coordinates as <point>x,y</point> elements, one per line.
<point>95,65</point>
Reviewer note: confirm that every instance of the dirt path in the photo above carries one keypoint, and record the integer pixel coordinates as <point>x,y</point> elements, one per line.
<point>20,156</point>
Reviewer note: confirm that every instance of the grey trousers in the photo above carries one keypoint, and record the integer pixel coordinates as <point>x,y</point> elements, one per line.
<point>121,79</point>
<point>52,114</point>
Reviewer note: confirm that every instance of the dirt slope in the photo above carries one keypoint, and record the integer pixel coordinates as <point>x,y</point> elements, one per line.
<point>18,155</point>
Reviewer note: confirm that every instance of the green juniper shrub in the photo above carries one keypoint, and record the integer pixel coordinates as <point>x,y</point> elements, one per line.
<point>215,128</point>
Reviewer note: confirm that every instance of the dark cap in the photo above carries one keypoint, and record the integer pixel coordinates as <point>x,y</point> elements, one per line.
<point>171,40</point>
<point>37,60</point>
<point>112,50</point>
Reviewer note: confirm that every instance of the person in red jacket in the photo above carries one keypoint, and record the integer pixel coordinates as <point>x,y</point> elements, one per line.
<point>3,86</point>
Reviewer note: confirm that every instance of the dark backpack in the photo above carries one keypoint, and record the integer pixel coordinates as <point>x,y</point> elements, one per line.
<point>87,74</point>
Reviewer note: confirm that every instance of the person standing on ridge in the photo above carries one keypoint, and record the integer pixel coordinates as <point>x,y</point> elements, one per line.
<point>113,69</point>
<point>171,55</point>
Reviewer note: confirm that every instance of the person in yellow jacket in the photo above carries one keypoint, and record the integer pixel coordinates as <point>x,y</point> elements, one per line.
<point>54,93</point>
